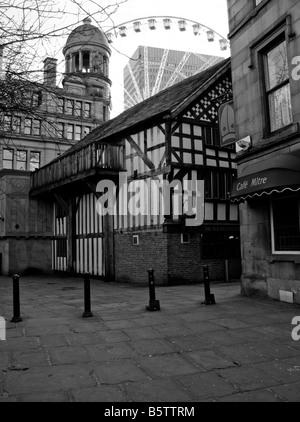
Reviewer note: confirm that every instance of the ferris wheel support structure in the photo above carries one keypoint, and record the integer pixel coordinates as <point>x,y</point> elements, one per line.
<point>160,72</point>
<point>146,72</point>
<point>173,78</point>
<point>208,62</point>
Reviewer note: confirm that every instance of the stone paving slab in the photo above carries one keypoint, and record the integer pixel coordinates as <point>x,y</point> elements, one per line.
<point>158,391</point>
<point>100,394</point>
<point>258,396</point>
<point>206,385</point>
<point>289,392</point>
<point>239,350</point>
<point>50,379</point>
<point>119,371</point>
<point>246,378</point>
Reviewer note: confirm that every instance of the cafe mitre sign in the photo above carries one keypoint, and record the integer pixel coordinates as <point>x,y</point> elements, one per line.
<point>277,179</point>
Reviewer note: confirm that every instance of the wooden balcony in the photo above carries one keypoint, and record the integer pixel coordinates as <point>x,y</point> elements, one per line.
<point>76,165</point>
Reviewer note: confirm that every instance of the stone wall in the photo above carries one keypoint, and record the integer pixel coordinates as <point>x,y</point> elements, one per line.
<point>26,227</point>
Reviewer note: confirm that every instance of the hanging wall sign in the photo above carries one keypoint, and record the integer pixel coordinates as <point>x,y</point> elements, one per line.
<point>227,123</point>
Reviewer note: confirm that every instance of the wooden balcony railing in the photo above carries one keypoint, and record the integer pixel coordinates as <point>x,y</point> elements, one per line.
<point>76,164</point>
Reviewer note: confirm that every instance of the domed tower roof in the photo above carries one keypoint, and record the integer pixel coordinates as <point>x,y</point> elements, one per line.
<point>87,35</point>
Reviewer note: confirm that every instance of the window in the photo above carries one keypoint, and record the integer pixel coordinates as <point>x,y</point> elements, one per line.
<point>135,240</point>
<point>61,244</point>
<point>70,132</point>
<point>211,135</point>
<point>278,94</point>
<point>36,127</point>
<point>60,130</point>
<point>77,61</point>
<point>209,185</point>
<point>285,224</point>
<point>60,105</point>
<point>105,66</point>
<point>36,99</point>
<point>218,184</point>
<point>32,127</point>
<point>21,160</point>
<point>7,123</point>
<point>68,64</point>
<point>20,157</point>
<point>86,61</point>
<point>218,243</point>
<point>69,107</point>
<point>78,108</point>
<point>8,158</point>
<point>28,126</point>
<point>16,124</point>
<point>78,133</point>
<point>34,160</point>
<point>98,63</point>
<point>12,123</point>
<point>87,109</point>
<point>185,238</point>
<point>223,186</point>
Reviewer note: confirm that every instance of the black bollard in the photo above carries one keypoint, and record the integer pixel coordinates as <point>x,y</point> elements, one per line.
<point>153,303</point>
<point>16,299</point>
<point>87,297</point>
<point>209,298</point>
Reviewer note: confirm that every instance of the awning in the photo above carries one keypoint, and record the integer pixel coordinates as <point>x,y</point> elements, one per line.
<point>276,174</point>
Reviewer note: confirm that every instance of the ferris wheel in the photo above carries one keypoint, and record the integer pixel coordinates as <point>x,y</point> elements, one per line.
<point>148,77</point>
<point>153,22</point>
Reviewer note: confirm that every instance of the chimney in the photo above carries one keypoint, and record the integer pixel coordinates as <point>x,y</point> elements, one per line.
<point>50,67</point>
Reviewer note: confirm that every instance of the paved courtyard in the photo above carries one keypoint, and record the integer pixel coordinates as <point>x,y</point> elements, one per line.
<point>239,349</point>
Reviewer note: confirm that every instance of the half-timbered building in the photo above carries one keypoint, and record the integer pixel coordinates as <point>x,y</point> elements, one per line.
<point>172,136</point>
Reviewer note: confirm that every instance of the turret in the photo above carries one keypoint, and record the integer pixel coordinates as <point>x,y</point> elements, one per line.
<point>87,53</point>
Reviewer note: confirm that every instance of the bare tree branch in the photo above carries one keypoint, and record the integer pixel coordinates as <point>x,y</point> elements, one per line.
<point>30,31</point>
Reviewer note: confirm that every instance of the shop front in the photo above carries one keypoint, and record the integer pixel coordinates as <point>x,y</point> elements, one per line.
<point>268,192</point>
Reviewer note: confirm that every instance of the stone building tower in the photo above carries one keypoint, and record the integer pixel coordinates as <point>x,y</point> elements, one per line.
<point>87,55</point>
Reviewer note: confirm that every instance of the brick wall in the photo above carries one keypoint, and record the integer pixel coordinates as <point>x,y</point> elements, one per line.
<point>174,262</point>
<point>133,261</point>
<point>186,266</point>
<point>184,259</point>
